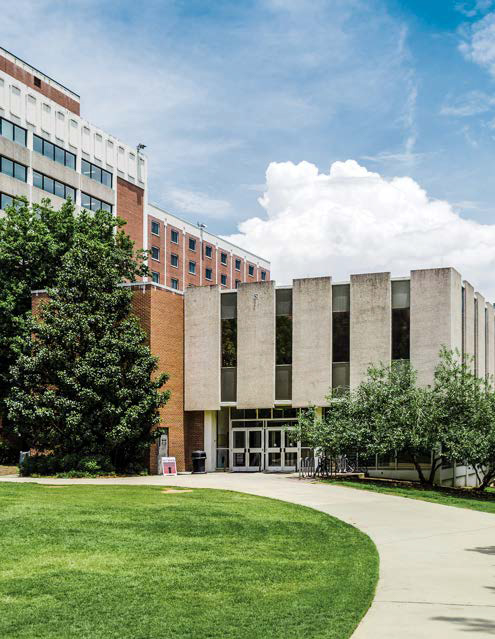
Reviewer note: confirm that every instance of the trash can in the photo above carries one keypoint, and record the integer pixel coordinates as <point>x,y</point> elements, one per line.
<point>199,461</point>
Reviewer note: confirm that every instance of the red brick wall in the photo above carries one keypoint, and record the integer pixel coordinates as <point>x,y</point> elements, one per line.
<point>158,241</point>
<point>194,256</point>
<point>176,249</point>
<point>130,207</point>
<point>195,430</point>
<point>161,314</point>
<point>224,269</point>
<point>45,89</point>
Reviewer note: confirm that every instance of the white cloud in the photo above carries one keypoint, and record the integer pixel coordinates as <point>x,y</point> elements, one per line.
<point>471,9</point>
<point>472,103</point>
<point>351,220</point>
<point>479,44</point>
<point>196,202</point>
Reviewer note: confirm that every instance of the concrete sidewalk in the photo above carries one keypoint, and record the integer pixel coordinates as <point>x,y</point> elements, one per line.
<point>437,563</point>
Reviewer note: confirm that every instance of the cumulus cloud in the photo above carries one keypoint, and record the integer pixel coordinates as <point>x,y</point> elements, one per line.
<point>352,220</point>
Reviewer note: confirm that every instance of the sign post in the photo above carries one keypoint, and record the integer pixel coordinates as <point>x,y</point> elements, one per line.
<point>169,466</point>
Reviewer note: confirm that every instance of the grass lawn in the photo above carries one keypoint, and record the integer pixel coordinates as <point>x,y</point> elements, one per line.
<point>105,562</point>
<point>448,497</point>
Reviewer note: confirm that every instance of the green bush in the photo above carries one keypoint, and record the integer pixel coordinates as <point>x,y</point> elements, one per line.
<point>68,465</point>
<point>9,454</point>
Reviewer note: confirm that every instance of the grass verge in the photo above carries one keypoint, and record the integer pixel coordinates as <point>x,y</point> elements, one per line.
<point>458,498</point>
<point>108,562</point>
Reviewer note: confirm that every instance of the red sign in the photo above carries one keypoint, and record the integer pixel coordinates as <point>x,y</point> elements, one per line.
<point>169,466</point>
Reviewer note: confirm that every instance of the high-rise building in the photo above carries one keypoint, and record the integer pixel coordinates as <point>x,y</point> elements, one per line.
<point>47,150</point>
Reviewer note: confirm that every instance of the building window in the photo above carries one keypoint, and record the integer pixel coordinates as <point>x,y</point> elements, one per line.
<point>155,253</point>
<point>208,251</point>
<point>340,337</point>
<point>223,280</point>
<point>192,268</point>
<point>192,244</point>
<point>13,169</point>
<point>174,283</point>
<point>263,276</point>
<point>5,200</point>
<point>53,186</point>
<point>155,277</point>
<point>237,282</point>
<point>283,344</point>
<point>238,265</point>
<point>174,236</point>
<point>54,152</point>
<point>208,273</point>
<point>94,204</point>
<point>228,305</point>
<point>96,173</point>
<point>223,258</point>
<point>155,227</point>
<point>251,270</point>
<point>13,132</point>
<point>174,260</point>
<point>400,319</point>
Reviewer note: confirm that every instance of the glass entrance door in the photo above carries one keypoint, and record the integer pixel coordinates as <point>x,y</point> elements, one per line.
<point>247,450</point>
<point>281,450</point>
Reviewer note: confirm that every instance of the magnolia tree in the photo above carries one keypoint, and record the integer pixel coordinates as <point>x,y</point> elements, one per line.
<point>85,382</point>
<point>453,419</point>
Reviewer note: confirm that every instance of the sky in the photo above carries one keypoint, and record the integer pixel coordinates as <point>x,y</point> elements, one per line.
<point>329,136</point>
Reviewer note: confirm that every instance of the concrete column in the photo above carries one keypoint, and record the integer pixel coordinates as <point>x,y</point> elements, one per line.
<point>311,341</point>
<point>468,323</point>
<point>436,318</point>
<point>371,324</point>
<point>210,440</point>
<point>202,348</point>
<point>480,336</point>
<point>490,342</point>
<point>256,345</point>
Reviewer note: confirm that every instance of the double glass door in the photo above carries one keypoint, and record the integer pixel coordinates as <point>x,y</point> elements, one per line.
<point>271,449</point>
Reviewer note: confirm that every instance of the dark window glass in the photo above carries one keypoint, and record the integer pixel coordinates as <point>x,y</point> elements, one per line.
<point>93,204</point>
<point>106,207</point>
<point>85,201</point>
<point>340,377</point>
<point>263,276</point>
<point>13,132</point>
<point>155,228</point>
<point>223,280</point>
<point>59,189</point>
<point>341,336</point>
<point>59,155</point>
<point>7,129</point>
<point>283,382</point>
<point>70,192</point>
<point>174,283</point>
<point>174,260</point>
<point>174,236</point>
<point>284,339</point>
<point>106,178</point>
<point>37,180</point>
<point>70,160</point>
<point>96,173</point>
<point>192,244</point>
<point>48,149</point>
<point>37,144</point>
<point>48,184</point>
<point>223,258</point>
<point>20,135</point>
<point>85,168</point>
<point>5,200</point>
<point>155,252</point>
<point>229,342</point>
<point>20,172</point>
<point>192,268</point>
<point>155,277</point>
<point>237,282</point>
<point>238,265</point>
<point>251,270</point>
<point>400,333</point>
<point>208,251</point>
<point>208,273</point>
<point>7,167</point>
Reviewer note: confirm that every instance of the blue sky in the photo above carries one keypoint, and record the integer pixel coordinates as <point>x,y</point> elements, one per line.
<point>218,90</point>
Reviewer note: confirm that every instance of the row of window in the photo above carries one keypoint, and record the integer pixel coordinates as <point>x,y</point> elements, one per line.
<point>96,173</point>
<point>53,186</point>
<point>54,152</point>
<point>5,200</point>
<point>94,204</point>
<point>13,132</point>
<point>174,261</point>
<point>13,169</point>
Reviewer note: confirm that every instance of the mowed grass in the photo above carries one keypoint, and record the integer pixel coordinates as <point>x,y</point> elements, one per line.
<point>105,562</point>
<point>484,502</point>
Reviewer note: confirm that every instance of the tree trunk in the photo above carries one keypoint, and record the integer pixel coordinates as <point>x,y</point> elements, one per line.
<point>419,470</point>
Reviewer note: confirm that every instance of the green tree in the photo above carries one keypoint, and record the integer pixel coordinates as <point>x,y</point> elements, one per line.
<point>466,407</point>
<point>33,240</point>
<point>84,384</point>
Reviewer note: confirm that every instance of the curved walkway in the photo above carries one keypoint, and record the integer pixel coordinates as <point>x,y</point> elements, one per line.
<point>437,563</point>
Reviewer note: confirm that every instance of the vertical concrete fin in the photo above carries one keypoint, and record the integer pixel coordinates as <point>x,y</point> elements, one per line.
<point>480,336</point>
<point>468,322</point>
<point>202,348</point>
<point>436,318</point>
<point>490,342</point>
<point>311,341</point>
<point>256,345</point>
<point>371,323</point>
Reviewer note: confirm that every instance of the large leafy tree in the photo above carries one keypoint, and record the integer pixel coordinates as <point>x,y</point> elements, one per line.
<point>85,384</point>
<point>33,240</point>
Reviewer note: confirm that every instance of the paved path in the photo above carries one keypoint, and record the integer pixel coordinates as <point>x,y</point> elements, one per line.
<point>437,563</point>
